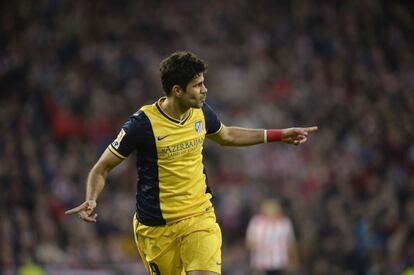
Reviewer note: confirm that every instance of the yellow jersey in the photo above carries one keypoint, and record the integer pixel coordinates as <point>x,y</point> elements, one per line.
<point>172,183</point>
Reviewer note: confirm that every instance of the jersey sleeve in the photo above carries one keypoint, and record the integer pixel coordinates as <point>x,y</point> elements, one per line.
<point>128,137</point>
<point>290,231</point>
<point>213,124</point>
<point>250,232</point>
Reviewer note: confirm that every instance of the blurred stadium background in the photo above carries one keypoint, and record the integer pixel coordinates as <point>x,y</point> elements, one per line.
<point>71,72</point>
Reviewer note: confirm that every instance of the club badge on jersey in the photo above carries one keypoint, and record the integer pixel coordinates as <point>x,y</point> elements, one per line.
<point>198,127</point>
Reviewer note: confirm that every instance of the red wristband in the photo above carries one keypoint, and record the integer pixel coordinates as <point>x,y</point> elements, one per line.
<point>272,135</point>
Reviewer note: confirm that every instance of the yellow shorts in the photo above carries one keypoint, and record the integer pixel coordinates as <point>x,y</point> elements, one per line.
<point>173,249</point>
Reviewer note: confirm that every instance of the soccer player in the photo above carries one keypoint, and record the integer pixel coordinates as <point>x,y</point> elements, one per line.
<point>271,240</point>
<point>175,226</point>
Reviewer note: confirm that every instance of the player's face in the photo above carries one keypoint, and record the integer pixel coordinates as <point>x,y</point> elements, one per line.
<point>195,93</point>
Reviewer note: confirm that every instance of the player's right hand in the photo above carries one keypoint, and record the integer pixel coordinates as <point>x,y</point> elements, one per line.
<point>85,211</point>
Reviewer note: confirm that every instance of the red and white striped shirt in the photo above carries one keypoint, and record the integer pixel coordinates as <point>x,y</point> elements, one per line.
<point>269,240</point>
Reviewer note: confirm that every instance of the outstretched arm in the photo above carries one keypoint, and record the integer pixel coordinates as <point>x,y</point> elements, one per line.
<point>236,136</point>
<point>94,185</point>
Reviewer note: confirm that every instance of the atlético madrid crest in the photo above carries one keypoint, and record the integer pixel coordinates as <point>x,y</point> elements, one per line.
<point>198,126</point>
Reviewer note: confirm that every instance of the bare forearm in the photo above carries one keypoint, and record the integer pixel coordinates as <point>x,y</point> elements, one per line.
<point>95,182</point>
<point>237,136</point>
<point>97,176</point>
<point>94,185</point>
<point>293,256</point>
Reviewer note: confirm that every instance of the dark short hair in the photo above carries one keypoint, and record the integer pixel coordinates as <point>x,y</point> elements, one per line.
<point>179,69</point>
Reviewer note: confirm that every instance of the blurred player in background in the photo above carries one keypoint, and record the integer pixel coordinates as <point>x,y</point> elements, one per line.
<point>175,225</point>
<point>271,240</point>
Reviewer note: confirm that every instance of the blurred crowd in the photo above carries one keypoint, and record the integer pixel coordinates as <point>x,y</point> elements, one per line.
<point>71,72</point>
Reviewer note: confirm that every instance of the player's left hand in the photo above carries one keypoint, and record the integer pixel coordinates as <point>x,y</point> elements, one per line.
<point>84,211</point>
<point>297,135</point>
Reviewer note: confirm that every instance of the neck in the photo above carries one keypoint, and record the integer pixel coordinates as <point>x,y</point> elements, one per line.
<point>172,108</point>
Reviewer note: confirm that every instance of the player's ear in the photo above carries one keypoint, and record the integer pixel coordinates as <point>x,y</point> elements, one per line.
<point>177,91</point>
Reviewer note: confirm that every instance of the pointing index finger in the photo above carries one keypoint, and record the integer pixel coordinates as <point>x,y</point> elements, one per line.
<point>77,209</point>
<point>312,129</point>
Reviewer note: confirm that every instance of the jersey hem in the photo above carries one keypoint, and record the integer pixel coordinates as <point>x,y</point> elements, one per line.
<point>211,269</point>
<point>170,222</point>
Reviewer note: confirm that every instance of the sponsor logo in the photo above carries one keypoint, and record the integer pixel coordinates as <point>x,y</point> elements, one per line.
<point>118,139</point>
<point>181,148</point>
<point>161,138</point>
<point>198,127</point>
